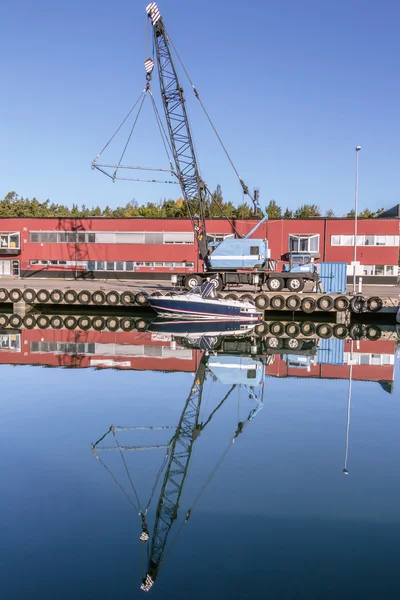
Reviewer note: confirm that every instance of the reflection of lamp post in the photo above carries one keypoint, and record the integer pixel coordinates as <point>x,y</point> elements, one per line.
<point>345,471</point>
<point>358,148</point>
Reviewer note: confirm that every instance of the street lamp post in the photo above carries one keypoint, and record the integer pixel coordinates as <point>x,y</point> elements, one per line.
<point>358,148</point>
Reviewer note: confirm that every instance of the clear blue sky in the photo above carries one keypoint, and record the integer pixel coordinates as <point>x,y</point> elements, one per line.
<point>292,86</point>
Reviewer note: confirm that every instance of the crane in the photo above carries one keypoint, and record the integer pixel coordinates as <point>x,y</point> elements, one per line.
<point>240,260</point>
<point>180,447</point>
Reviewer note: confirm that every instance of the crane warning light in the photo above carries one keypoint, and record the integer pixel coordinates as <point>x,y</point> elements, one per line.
<point>153,12</point>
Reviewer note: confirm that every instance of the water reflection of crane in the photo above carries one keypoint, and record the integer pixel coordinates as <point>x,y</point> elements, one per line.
<point>243,371</point>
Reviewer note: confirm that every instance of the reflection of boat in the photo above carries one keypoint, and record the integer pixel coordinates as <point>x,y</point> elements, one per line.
<point>195,328</point>
<point>203,302</point>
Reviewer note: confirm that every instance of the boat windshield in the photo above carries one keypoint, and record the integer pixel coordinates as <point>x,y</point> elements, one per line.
<point>205,290</point>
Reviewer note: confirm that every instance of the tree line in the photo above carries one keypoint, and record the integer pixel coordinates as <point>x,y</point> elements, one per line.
<point>13,205</point>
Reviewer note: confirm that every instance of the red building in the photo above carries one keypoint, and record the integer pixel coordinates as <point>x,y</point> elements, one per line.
<point>155,248</point>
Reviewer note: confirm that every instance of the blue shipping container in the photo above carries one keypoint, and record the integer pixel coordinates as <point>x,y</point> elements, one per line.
<point>330,352</point>
<point>333,277</point>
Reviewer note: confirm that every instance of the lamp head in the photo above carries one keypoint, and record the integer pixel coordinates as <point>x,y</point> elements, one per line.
<point>358,148</point>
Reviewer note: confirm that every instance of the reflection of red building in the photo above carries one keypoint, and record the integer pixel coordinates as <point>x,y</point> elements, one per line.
<point>372,361</point>
<point>146,248</point>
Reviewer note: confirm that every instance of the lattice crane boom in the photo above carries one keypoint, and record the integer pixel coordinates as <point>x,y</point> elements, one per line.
<point>176,471</point>
<point>193,187</point>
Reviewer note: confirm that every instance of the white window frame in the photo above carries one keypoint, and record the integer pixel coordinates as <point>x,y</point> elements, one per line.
<point>8,235</point>
<point>302,236</point>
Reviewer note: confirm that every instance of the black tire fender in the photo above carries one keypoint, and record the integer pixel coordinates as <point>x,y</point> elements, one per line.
<point>277,302</point>
<point>308,305</point>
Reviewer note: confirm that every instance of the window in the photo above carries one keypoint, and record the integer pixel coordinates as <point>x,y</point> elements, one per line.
<point>110,266</point>
<point>100,265</point>
<point>389,270</point>
<point>368,269</point>
<point>303,243</point>
<point>153,238</point>
<point>365,240</point>
<point>218,237</point>
<point>129,266</point>
<point>119,266</point>
<point>178,237</point>
<point>91,265</point>
<point>9,240</point>
<point>254,250</point>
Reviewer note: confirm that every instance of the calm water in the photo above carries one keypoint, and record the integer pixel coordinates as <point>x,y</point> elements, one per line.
<point>272,514</point>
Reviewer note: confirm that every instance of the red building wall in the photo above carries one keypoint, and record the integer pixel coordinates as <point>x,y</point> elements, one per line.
<point>276,231</point>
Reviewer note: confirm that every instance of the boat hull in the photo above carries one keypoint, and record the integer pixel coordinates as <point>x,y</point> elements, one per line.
<point>208,309</point>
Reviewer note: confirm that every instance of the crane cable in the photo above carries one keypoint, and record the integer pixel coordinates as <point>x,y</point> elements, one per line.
<point>244,186</point>
<point>130,134</point>
<point>123,122</point>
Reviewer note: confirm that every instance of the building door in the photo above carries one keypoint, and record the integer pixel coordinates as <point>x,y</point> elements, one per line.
<point>5,267</point>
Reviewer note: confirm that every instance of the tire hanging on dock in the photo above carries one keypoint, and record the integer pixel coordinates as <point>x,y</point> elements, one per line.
<point>112,298</point>
<point>127,298</point>
<point>3,295</point>
<point>29,296</point>
<point>15,295</point>
<point>308,305</point>
<point>15,321</point>
<point>29,321</point>
<point>374,304</point>
<point>325,303</point>
<point>84,297</point>
<point>70,296</point>
<point>341,303</point>
<point>56,322</point>
<point>3,320</point>
<point>43,296</point>
<point>56,296</point>
<point>277,302</point>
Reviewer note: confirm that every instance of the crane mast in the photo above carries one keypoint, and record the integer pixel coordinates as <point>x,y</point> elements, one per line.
<point>192,186</point>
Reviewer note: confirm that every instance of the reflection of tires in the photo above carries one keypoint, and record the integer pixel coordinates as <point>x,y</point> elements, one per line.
<point>70,323</point>
<point>84,297</point>
<point>127,324</point>
<point>29,321</point>
<point>98,297</point>
<point>308,305</point>
<point>340,332</point>
<point>307,328</point>
<point>273,343</point>
<point>373,332</point>
<point>15,295</point>
<point>276,328</point>
<point>277,302</point>
<point>112,324</point>
<point>70,296</point>
<point>292,330</point>
<point>3,320</point>
<point>295,284</point>
<point>3,295</point>
<point>356,331</point>
<point>127,298</point>
<point>43,296</point>
<point>43,322</point>
<point>191,281</point>
<point>374,304</point>
<point>112,298</point>
<point>358,304</point>
<point>324,331</point>
<point>341,303</point>
<point>261,329</point>
<point>231,296</point>
<point>84,323</point>
<point>98,323</point>
<point>293,302</point>
<point>15,321</point>
<point>56,296</point>
<point>262,301</point>
<point>141,325</point>
<point>29,296</point>
<point>325,303</point>
<point>56,322</point>
<point>275,284</point>
<point>141,298</point>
